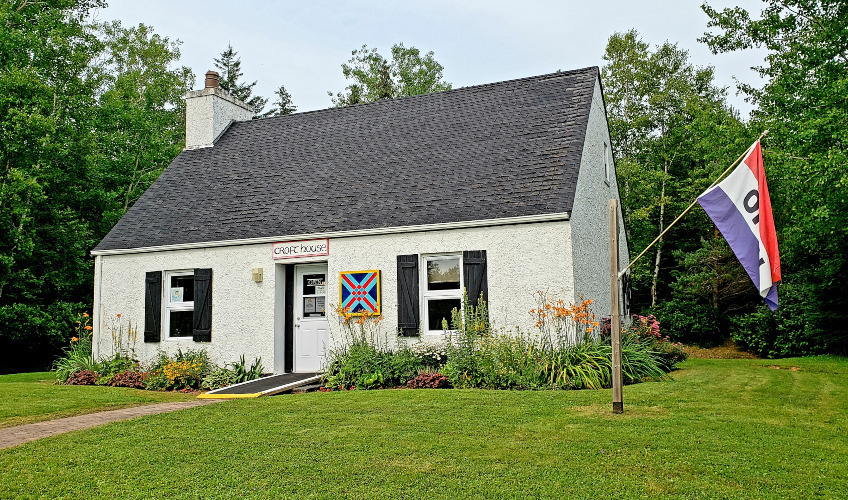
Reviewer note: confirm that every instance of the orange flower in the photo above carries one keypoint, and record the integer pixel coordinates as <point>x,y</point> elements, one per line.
<point>88,327</point>
<point>74,339</point>
<point>84,315</point>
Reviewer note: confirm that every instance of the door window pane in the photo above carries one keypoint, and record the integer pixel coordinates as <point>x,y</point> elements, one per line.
<point>443,274</point>
<point>314,307</point>
<point>181,323</point>
<point>438,309</point>
<point>314,284</point>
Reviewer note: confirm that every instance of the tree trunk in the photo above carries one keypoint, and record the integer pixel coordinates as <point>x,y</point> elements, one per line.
<point>716,267</point>
<point>656,275</point>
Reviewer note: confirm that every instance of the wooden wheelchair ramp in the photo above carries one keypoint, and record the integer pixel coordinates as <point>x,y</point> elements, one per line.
<point>265,386</point>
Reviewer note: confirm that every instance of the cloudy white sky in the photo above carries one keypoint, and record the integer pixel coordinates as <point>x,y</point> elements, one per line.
<point>302,44</point>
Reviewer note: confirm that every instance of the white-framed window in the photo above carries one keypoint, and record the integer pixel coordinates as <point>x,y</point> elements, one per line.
<point>178,313</point>
<point>607,163</point>
<point>441,289</point>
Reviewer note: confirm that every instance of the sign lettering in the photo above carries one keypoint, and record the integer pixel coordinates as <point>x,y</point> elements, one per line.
<point>305,248</point>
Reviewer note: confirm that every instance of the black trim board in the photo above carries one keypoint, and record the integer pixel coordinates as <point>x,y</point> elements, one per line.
<point>288,326</point>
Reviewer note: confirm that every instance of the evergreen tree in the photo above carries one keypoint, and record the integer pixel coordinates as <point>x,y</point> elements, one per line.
<point>283,105</point>
<point>229,66</point>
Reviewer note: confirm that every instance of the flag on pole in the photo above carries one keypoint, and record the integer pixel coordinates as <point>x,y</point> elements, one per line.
<point>741,209</point>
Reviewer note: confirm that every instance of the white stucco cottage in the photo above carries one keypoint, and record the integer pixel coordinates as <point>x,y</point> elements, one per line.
<point>260,228</point>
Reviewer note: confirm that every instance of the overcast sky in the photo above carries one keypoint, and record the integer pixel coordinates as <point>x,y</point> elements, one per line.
<point>302,45</point>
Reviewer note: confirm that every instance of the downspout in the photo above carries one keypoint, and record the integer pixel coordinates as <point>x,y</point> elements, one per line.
<point>97,321</point>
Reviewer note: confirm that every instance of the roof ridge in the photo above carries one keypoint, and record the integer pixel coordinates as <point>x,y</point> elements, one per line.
<point>546,76</point>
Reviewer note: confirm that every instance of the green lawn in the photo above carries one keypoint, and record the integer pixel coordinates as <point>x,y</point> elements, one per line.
<point>33,397</point>
<point>720,429</point>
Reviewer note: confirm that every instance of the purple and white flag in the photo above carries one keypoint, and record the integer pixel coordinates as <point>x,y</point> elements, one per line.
<point>741,209</point>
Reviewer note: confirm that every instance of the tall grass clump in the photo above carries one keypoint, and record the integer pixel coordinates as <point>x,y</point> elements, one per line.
<point>78,355</point>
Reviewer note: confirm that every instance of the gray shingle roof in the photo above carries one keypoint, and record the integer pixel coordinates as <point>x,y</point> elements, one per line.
<point>499,150</point>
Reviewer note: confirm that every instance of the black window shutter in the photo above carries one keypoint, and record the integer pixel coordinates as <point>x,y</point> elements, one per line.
<point>474,271</point>
<point>203,305</point>
<point>153,306</point>
<point>407,285</point>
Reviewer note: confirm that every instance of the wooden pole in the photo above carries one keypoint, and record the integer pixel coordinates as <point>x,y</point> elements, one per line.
<point>615,320</point>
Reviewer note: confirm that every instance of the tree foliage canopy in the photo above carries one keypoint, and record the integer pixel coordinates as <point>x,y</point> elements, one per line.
<point>804,104</point>
<point>89,117</point>
<point>672,133</point>
<point>374,77</point>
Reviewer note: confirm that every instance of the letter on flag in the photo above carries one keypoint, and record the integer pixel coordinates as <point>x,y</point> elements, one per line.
<point>741,209</point>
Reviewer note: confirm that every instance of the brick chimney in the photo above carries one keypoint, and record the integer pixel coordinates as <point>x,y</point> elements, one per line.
<point>210,111</point>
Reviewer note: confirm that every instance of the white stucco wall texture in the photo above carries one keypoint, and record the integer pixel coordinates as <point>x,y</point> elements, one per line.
<point>590,214</point>
<point>521,259</point>
<point>208,113</point>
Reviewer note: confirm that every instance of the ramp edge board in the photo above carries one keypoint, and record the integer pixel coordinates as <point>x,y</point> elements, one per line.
<point>229,396</point>
<point>282,388</point>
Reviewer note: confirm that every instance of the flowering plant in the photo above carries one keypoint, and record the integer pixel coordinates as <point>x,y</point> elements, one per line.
<point>560,323</point>
<point>430,353</point>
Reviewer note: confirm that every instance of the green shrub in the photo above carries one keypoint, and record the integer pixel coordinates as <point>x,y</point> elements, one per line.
<point>563,355</point>
<point>241,373</point>
<point>365,365</point>
<point>691,322</point>
<point>33,336</point>
<point>185,370</point>
<point>640,360</point>
<point>468,326</point>
<point>363,359</point>
<point>109,367</point>
<point>218,377</point>
<point>791,330</point>
<point>238,372</point>
<point>647,329</point>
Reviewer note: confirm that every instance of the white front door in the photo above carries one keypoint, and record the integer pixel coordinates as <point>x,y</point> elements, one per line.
<point>311,329</point>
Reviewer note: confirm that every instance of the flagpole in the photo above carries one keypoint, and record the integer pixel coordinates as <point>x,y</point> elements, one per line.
<point>732,165</point>
<point>615,319</point>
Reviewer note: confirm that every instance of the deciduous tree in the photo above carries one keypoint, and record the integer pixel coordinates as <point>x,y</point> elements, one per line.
<point>672,133</point>
<point>374,77</point>
<point>804,104</point>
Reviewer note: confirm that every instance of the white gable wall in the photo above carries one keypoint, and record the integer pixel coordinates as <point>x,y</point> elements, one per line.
<point>521,259</point>
<point>590,215</point>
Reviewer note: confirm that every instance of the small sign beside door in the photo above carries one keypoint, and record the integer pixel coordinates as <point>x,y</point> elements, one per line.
<point>304,248</point>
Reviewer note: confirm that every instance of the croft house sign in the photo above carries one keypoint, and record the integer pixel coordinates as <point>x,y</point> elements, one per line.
<point>304,248</point>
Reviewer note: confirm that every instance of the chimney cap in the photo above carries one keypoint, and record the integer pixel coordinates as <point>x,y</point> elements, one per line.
<point>212,79</point>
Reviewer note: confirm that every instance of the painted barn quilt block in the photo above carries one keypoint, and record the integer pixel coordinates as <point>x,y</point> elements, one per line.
<point>360,291</point>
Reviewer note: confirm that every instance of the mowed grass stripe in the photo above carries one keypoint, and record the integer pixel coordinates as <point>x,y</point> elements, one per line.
<point>720,429</point>
<point>35,397</point>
